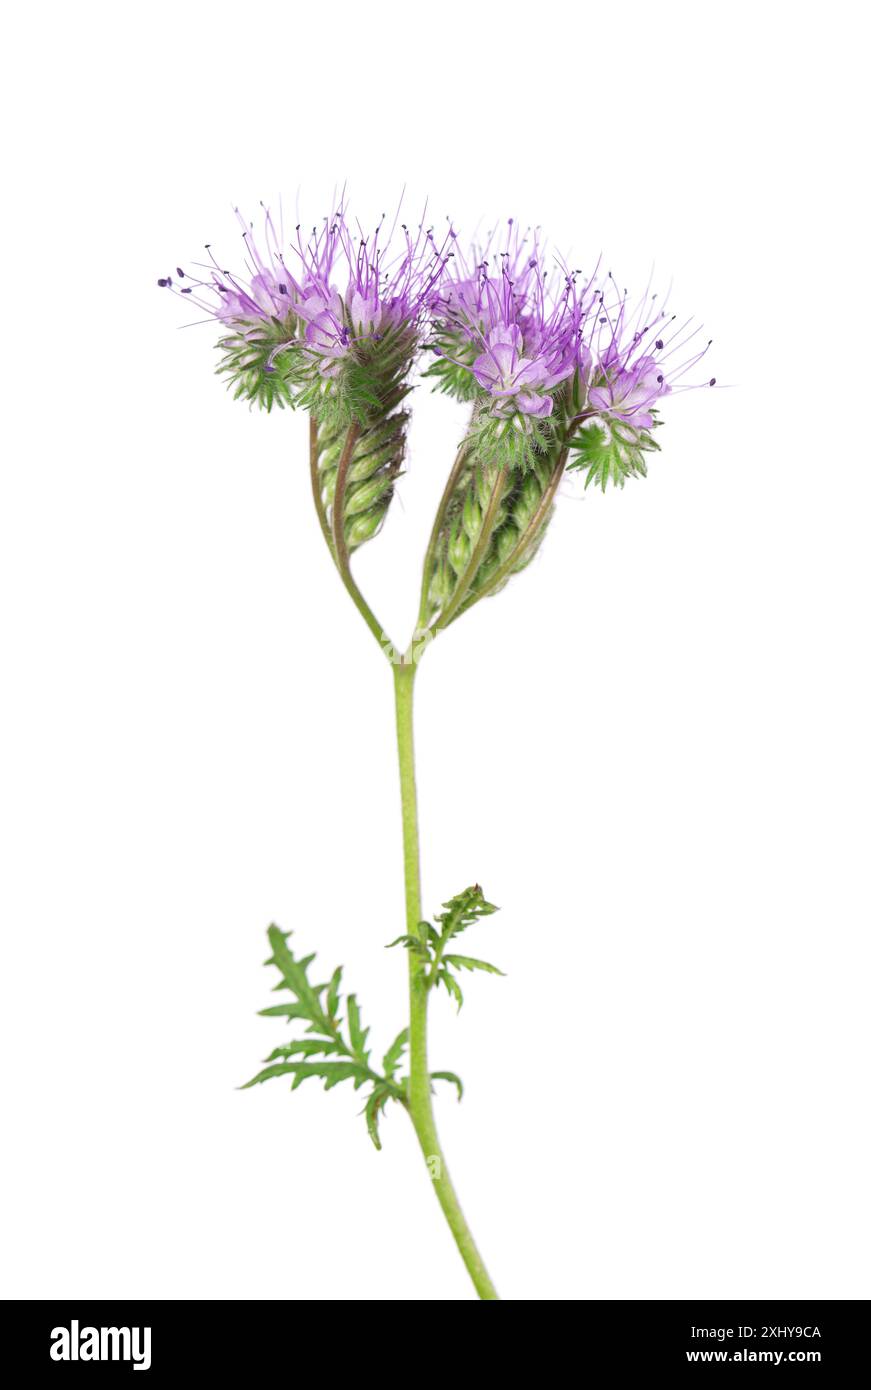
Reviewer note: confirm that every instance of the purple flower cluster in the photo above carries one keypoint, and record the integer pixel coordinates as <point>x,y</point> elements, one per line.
<point>504,327</point>
<point>521,333</point>
<point>521,338</point>
<point>340,287</point>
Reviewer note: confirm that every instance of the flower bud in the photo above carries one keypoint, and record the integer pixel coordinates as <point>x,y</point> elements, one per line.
<point>360,497</point>
<point>363,527</point>
<point>374,466</point>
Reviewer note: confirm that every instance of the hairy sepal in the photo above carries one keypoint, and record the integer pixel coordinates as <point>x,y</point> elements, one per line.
<point>610,451</point>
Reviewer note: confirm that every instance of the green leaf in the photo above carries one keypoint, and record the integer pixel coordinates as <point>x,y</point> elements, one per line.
<point>448,1076</point>
<point>375,1105</point>
<point>333,1073</point>
<point>287,1011</point>
<point>333,993</point>
<point>357,1034</point>
<point>333,1057</point>
<point>306,1047</point>
<point>471,963</point>
<point>413,943</point>
<point>445,978</point>
<point>393,1055</point>
<point>294,975</point>
<point>463,911</point>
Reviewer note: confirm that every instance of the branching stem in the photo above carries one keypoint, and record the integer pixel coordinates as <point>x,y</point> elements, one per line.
<point>419,1096</point>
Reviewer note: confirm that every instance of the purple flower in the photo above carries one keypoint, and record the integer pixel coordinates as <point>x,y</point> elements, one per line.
<point>513,379</point>
<point>267,291</point>
<point>629,359</point>
<point>629,393</point>
<point>334,290</point>
<point>520,335</point>
<point>325,335</point>
<point>383,292</point>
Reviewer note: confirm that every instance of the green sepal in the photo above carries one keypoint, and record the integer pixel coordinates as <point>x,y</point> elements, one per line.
<point>611,451</point>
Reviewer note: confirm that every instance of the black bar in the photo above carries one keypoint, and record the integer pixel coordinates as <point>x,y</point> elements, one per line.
<point>283,1337</point>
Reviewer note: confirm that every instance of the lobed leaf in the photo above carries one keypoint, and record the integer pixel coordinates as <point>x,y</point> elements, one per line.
<point>356,1032</point>
<point>333,1073</point>
<point>472,963</point>
<point>375,1105</point>
<point>393,1055</point>
<point>448,1076</point>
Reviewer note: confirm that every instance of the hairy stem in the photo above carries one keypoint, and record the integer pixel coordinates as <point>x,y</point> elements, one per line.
<point>420,1088</point>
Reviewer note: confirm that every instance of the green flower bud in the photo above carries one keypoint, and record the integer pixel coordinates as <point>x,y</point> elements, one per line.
<point>363,527</point>
<point>371,473</point>
<point>360,497</point>
<point>459,548</point>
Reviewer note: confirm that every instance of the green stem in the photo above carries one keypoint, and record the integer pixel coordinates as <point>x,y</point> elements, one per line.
<point>419,1086</point>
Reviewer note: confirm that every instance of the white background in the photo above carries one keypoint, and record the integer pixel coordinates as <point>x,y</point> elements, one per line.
<point>652,750</point>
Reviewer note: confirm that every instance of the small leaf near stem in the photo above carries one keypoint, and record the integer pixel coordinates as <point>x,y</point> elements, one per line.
<point>430,944</point>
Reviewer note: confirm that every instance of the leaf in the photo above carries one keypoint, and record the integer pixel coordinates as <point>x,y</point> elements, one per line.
<point>448,1076</point>
<point>333,1073</point>
<point>335,1056</point>
<point>374,1107</point>
<point>412,942</point>
<point>294,974</point>
<point>306,1047</point>
<point>393,1055</point>
<point>357,1034</point>
<point>471,963</point>
<point>446,978</point>
<point>287,1011</point>
<point>333,993</point>
<point>463,911</point>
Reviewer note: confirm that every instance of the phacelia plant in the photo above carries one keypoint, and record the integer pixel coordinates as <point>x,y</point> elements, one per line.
<point>561,372</point>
